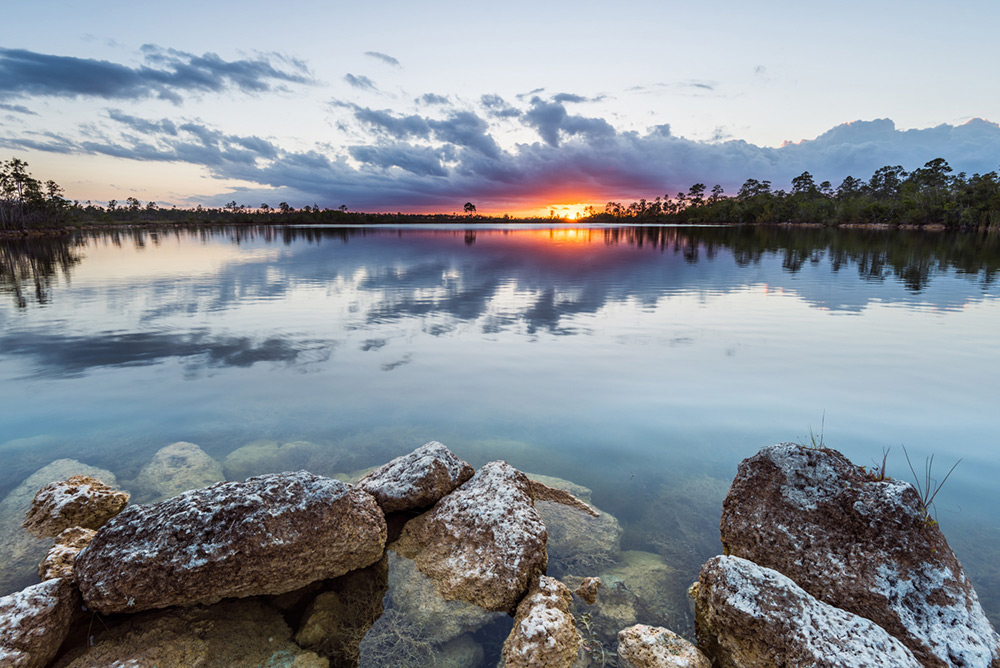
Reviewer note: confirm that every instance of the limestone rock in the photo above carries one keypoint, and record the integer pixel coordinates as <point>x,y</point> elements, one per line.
<point>177,468</point>
<point>578,542</point>
<point>58,563</point>
<point>544,632</point>
<point>416,480</point>
<point>79,501</point>
<point>338,619</point>
<point>642,646</point>
<point>20,552</point>
<point>751,617</point>
<point>34,622</point>
<point>484,542</point>
<point>268,535</point>
<point>861,545</point>
<point>587,590</point>
<point>579,491</point>
<point>241,633</point>
<point>261,457</point>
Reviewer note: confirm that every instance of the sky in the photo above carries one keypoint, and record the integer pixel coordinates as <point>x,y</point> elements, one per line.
<point>519,107</point>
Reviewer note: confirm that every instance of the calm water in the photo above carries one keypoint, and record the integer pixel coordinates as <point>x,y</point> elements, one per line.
<point>643,363</point>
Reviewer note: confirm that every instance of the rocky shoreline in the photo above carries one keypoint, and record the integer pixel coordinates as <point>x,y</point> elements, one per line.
<point>423,561</point>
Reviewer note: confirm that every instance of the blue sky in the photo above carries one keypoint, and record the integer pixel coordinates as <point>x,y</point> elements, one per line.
<point>515,106</point>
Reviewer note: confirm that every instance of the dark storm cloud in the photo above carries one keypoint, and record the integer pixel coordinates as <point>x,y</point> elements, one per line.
<point>384,57</point>
<point>166,74</point>
<point>417,160</point>
<point>362,82</point>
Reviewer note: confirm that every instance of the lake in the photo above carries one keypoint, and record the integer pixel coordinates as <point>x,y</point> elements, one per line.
<point>640,362</point>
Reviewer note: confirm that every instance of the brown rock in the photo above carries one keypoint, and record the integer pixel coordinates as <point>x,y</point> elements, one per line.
<point>588,590</point>
<point>754,617</point>
<point>642,646</point>
<point>267,535</point>
<point>79,501</point>
<point>338,619</point>
<point>416,480</point>
<point>242,633</point>
<point>544,632</point>
<point>177,468</point>
<point>34,622</point>
<point>484,543</point>
<point>58,563</point>
<point>543,492</point>
<point>861,545</point>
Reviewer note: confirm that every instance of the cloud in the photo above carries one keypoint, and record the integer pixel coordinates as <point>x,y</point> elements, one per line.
<point>431,98</point>
<point>551,120</point>
<point>18,109</point>
<point>497,107</point>
<point>166,74</point>
<point>362,82</point>
<point>384,57</point>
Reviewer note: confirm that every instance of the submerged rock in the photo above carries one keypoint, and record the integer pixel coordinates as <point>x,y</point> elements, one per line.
<point>860,544</point>
<point>587,590</point>
<point>58,563</point>
<point>338,619</point>
<point>754,617</point>
<point>176,468</point>
<point>578,542</point>
<point>261,457</point>
<point>242,633</point>
<point>416,480</point>
<point>20,552</point>
<point>483,543</point>
<point>544,632</point>
<point>642,646</point>
<point>78,501</point>
<point>34,622</point>
<point>268,535</point>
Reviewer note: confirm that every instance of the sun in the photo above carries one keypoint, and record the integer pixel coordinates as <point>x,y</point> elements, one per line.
<point>562,211</point>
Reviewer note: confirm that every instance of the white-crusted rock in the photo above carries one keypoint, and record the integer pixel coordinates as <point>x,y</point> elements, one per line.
<point>544,632</point>
<point>78,501</point>
<point>642,646</point>
<point>416,480</point>
<point>268,535</point>
<point>861,544</point>
<point>484,543</point>
<point>34,622</point>
<point>176,468</point>
<point>748,616</point>
<point>58,563</point>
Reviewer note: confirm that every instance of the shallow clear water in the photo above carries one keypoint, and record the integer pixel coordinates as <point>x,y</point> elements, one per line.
<point>643,363</point>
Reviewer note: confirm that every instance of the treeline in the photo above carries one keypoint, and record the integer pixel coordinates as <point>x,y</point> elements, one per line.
<point>892,196</point>
<point>26,201</point>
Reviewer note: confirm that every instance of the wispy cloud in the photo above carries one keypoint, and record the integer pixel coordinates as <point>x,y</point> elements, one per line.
<point>167,74</point>
<point>384,57</point>
<point>18,109</point>
<point>360,81</point>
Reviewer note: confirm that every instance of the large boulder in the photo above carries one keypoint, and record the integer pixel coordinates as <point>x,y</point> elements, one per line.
<point>20,551</point>
<point>544,632</point>
<point>176,468</point>
<point>754,617</point>
<point>240,633</point>
<point>642,646</point>
<point>861,543</point>
<point>416,480</point>
<point>59,561</point>
<point>484,543</point>
<point>34,622</point>
<point>267,535</point>
<point>78,501</point>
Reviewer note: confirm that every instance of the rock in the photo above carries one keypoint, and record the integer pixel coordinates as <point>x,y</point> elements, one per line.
<point>261,457</point>
<point>20,552</point>
<point>58,563</point>
<point>579,491</point>
<point>241,633</point>
<point>642,646</point>
<point>544,632</point>
<point>860,544</point>
<point>177,468</point>
<point>34,622</point>
<point>267,535</point>
<point>578,542</point>
<point>79,501</point>
<point>462,652</point>
<point>338,619</point>
<point>543,492</point>
<point>749,616</point>
<point>416,480</point>
<point>636,589</point>
<point>484,543</point>
<point>588,590</point>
